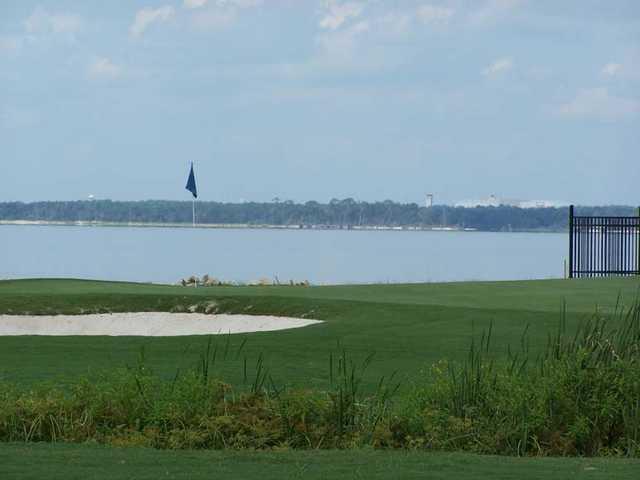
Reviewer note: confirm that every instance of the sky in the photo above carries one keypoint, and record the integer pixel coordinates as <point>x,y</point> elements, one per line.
<point>313,100</point>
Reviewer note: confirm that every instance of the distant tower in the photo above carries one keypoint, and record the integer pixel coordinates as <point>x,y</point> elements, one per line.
<point>429,202</point>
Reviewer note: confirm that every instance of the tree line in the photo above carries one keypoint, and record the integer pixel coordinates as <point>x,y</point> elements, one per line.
<point>345,213</point>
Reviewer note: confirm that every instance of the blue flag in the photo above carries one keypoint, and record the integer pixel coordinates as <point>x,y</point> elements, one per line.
<point>191,183</point>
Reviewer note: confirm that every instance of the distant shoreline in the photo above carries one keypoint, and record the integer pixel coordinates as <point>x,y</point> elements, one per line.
<point>246,226</point>
<point>346,214</point>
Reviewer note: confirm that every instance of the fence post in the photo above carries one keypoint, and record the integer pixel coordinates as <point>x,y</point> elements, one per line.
<point>570,241</point>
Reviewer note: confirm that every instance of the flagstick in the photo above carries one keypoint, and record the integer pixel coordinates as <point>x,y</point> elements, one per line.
<point>193,205</point>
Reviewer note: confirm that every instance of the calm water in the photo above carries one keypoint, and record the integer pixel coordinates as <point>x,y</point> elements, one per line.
<point>166,255</point>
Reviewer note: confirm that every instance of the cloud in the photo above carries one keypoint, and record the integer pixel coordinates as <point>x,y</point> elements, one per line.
<point>500,66</point>
<point>147,16</point>
<point>430,14</point>
<point>338,13</point>
<point>103,68</point>
<point>598,103</point>
<point>612,69</point>
<point>220,14</point>
<point>194,3</point>
<point>42,22</point>
<point>240,3</point>
<point>493,10</point>
<point>214,19</point>
<point>339,47</point>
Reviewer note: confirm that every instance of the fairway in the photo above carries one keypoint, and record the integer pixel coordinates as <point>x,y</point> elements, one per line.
<point>405,327</point>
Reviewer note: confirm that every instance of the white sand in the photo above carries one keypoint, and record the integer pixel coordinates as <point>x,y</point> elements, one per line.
<point>147,324</point>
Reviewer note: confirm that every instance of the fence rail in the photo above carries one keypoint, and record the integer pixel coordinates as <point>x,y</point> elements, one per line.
<point>603,246</point>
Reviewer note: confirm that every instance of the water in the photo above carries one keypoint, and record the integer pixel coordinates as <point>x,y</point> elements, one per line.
<point>320,256</point>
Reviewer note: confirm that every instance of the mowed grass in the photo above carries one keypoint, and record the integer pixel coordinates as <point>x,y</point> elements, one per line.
<point>407,327</point>
<point>87,462</point>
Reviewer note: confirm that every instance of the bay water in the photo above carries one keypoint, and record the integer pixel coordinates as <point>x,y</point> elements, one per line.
<point>165,255</point>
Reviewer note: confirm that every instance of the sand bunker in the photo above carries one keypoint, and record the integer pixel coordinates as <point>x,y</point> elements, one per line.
<point>146,324</point>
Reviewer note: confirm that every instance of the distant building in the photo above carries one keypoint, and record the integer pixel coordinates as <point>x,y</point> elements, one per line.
<point>495,201</point>
<point>429,200</point>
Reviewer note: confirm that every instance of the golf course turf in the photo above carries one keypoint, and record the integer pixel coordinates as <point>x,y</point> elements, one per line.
<point>89,462</point>
<point>406,327</point>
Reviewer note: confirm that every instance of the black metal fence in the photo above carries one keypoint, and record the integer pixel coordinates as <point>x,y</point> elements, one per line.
<point>603,246</point>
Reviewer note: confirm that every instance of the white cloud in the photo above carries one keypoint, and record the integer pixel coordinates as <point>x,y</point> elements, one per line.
<point>41,21</point>
<point>194,3</point>
<point>430,14</point>
<point>147,16</point>
<point>500,66</point>
<point>338,13</point>
<point>220,14</point>
<point>240,3</point>
<point>214,19</point>
<point>338,47</point>
<point>493,10</point>
<point>612,69</point>
<point>598,103</point>
<point>104,68</point>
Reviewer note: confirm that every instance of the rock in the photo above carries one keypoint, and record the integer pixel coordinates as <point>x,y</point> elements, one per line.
<point>211,307</point>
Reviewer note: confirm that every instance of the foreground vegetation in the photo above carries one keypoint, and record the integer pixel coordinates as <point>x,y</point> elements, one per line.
<point>337,213</point>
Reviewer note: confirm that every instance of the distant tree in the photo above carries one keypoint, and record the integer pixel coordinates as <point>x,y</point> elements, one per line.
<point>340,213</point>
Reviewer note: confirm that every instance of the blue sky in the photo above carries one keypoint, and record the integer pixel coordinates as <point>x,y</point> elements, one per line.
<point>307,100</point>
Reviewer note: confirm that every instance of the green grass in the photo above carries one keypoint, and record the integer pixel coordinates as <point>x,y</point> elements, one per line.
<point>36,461</point>
<point>407,326</point>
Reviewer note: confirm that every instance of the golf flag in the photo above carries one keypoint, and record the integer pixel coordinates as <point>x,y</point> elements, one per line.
<point>191,183</point>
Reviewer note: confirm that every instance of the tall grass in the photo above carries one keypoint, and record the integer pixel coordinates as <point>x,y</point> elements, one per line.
<point>581,395</point>
<point>133,406</point>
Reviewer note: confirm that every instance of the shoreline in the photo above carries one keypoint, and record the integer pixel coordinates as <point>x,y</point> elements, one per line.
<point>247,226</point>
